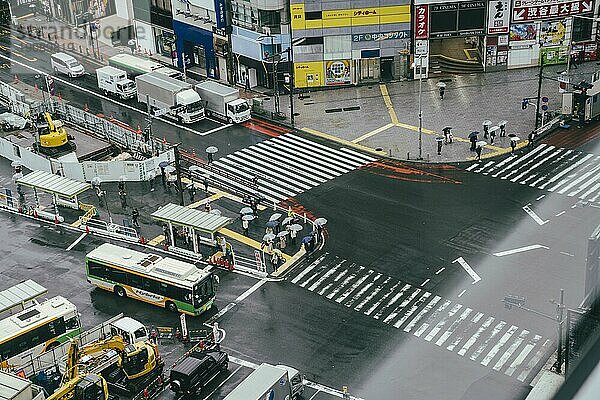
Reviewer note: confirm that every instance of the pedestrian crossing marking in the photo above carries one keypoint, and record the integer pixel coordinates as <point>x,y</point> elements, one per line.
<point>492,343</point>
<point>287,165</point>
<point>554,169</point>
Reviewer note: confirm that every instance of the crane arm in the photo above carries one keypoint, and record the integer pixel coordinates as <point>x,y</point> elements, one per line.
<point>51,127</point>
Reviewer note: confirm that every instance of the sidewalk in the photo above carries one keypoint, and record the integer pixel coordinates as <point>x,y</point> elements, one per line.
<point>385,117</point>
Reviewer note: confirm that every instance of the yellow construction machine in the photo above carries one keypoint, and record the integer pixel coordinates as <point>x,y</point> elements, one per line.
<point>53,138</point>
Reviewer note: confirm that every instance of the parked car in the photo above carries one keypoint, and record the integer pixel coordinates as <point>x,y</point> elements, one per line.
<point>196,370</point>
<point>66,64</point>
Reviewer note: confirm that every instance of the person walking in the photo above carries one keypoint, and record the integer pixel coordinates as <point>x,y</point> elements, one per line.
<point>207,207</point>
<point>192,192</point>
<point>502,130</point>
<point>492,136</point>
<point>478,151</point>
<point>486,131</point>
<point>473,139</point>
<point>293,234</point>
<point>166,233</point>
<point>205,183</point>
<point>123,197</point>
<point>530,139</point>
<point>254,207</point>
<point>135,214</point>
<point>245,225</point>
<point>447,135</point>
<point>513,144</point>
<point>153,336</point>
<point>442,92</point>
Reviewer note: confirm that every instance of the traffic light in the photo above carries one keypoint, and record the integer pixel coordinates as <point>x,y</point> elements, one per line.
<point>544,103</point>
<point>524,104</point>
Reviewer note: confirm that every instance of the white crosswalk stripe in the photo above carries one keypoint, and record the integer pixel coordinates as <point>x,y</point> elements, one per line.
<point>287,165</point>
<point>483,339</point>
<point>562,171</point>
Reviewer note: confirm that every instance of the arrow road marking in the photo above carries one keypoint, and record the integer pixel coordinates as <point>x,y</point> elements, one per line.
<point>467,267</point>
<point>520,250</point>
<point>533,215</point>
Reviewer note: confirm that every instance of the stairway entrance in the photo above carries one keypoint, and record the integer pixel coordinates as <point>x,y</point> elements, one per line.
<point>460,55</point>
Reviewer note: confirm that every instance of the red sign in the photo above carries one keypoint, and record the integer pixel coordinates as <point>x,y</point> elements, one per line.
<point>526,10</point>
<point>422,21</point>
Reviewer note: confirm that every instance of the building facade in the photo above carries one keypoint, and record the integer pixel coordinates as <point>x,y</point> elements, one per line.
<point>469,36</point>
<point>153,26</point>
<point>350,42</point>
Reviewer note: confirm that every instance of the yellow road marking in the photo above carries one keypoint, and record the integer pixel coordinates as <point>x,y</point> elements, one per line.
<point>76,224</point>
<point>343,141</point>
<point>156,240</point>
<point>373,133</point>
<point>245,240</point>
<point>18,54</point>
<point>388,103</point>
<point>284,267</point>
<point>468,54</point>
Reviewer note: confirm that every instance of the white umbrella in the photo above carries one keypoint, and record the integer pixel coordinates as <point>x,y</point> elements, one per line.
<point>282,234</point>
<point>215,212</point>
<point>441,84</point>
<point>122,178</point>
<point>248,217</point>
<point>503,122</point>
<point>486,122</point>
<point>295,227</point>
<point>16,164</point>
<point>320,221</point>
<point>494,128</point>
<point>169,169</point>
<point>481,143</point>
<point>246,210</point>
<point>268,237</point>
<point>515,138</point>
<point>286,221</point>
<point>211,150</point>
<point>275,217</point>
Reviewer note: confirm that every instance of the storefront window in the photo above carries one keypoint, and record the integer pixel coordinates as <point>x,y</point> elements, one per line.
<point>582,29</point>
<point>337,47</point>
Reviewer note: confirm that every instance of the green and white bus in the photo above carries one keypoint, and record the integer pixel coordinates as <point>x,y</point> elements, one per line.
<point>135,66</point>
<point>29,333</point>
<point>175,285</point>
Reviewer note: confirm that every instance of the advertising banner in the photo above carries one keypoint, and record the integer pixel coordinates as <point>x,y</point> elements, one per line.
<point>552,33</point>
<point>529,10</point>
<point>498,17</point>
<point>337,73</point>
<point>422,21</point>
<point>522,32</point>
<point>221,14</point>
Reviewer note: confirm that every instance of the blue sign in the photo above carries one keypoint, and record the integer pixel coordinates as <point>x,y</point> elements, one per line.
<point>221,13</point>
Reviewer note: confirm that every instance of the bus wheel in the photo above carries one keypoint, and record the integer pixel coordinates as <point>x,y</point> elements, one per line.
<point>120,291</point>
<point>171,307</point>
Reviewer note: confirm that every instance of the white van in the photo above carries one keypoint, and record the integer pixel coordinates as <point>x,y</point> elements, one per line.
<point>66,64</point>
<point>130,330</point>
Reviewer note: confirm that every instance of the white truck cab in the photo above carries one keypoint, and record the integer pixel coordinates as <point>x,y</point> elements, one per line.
<point>238,111</point>
<point>114,81</point>
<point>130,330</point>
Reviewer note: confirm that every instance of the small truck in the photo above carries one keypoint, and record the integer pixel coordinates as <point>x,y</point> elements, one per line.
<point>223,102</point>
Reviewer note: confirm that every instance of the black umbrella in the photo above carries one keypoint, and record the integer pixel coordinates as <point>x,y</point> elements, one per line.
<point>473,134</point>
<point>512,135</point>
<point>446,128</point>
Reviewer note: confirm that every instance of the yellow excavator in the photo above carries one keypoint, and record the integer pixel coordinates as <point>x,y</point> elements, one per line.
<point>53,138</point>
<point>138,364</point>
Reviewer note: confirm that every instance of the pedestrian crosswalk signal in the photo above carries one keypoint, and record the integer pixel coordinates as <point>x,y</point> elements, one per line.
<point>524,104</point>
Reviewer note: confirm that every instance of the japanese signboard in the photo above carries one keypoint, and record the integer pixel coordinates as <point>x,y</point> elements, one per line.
<point>552,33</point>
<point>368,37</point>
<point>498,16</point>
<point>422,21</point>
<point>529,10</point>
<point>457,19</point>
<point>220,13</point>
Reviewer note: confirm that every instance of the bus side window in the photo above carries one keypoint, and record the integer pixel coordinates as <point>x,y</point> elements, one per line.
<point>134,280</point>
<point>150,285</point>
<point>163,289</point>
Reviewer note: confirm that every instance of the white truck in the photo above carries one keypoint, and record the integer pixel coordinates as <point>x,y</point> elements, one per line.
<point>177,99</point>
<point>114,81</point>
<point>13,387</point>
<point>273,382</point>
<point>223,102</point>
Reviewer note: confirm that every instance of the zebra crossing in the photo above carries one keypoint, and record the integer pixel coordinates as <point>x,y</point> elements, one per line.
<point>546,167</point>
<point>289,164</point>
<point>493,343</point>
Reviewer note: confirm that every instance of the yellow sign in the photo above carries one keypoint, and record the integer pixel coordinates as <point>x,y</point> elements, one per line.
<point>350,17</point>
<point>309,74</point>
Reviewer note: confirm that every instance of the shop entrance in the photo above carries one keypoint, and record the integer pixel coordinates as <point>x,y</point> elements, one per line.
<point>387,69</point>
<point>456,55</point>
<point>369,70</point>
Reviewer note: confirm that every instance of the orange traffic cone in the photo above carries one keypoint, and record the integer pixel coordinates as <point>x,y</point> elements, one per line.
<point>231,267</point>
<point>36,88</point>
<point>87,229</point>
<point>56,219</point>
<point>142,240</point>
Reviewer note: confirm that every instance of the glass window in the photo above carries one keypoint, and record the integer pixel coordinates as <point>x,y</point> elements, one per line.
<point>150,285</point>
<point>337,47</point>
<point>582,29</point>
<point>72,323</point>
<point>134,280</point>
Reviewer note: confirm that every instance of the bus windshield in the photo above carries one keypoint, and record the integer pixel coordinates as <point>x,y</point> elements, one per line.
<point>203,291</point>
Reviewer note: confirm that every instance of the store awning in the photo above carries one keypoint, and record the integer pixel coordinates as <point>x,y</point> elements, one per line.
<point>19,294</point>
<point>191,218</point>
<point>55,184</point>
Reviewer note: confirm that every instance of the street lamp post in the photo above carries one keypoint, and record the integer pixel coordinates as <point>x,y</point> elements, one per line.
<point>420,108</point>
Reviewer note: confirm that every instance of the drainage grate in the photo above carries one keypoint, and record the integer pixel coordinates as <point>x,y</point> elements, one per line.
<point>353,108</point>
<point>333,110</point>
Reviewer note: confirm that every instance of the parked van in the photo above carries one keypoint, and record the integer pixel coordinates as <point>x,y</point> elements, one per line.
<point>66,64</point>
<point>131,330</point>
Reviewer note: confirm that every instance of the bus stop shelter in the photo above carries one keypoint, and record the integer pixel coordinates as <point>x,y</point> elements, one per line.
<point>58,186</point>
<point>20,294</point>
<point>195,220</point>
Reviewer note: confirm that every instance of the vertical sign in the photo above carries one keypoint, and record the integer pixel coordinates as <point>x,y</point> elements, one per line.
<point>184,331</point>
<point>221,14</point>
<point>498,16</point>
<point>422,21</point>
<point>260,267</point>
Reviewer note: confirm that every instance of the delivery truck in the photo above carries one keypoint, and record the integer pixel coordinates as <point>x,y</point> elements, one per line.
<point>273,382</point>
<point>114,81</point>
<point>223,102</point>
<point>176,99</point>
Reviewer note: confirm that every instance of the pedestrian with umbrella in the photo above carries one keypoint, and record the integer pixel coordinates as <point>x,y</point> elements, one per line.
<point>163,175</point>
<point>442,89</point>
<point>294,229</point>
<point>473,139</point>
<point>493,130</point>
<point>281,235</point>
<point>246,222</point>
<point>530,139</point>
<point>123,197</point>
<point>478,149</point>
<point>486,128</point>
<point>440,141</point>
<point>151,176</point>
<point>513,143</point>
<point>210,152</point>
<point>447,135</point>
<point>502,125</point>
<point>207,207</point>
<point>205,183</point>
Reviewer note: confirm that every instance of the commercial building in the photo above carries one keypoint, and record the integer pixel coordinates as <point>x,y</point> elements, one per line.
<point>350,42</point>
<point>154,28</point>
<point>457,36</point>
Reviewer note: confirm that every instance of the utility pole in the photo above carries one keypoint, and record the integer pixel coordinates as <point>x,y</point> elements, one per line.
<point>178,172</point>
<point>559,315</point>
<point>291,61</point>
<point>420,108</point>
<point>539,92</point>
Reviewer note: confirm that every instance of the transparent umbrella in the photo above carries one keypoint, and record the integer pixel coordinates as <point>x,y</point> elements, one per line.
<point>248,217</point>
<point>215,212</point>
<point>275,217</point>
<point>481,143</point>
<point>211,150</point>
<point>268,237</point>
<point>295,227</point>
<point>320,221</point>
<point>246,210</point>
<point>282,234</point>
